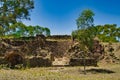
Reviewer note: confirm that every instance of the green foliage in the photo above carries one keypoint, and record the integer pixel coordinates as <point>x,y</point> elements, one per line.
<point>46,31</point>
<point>74,34</point>
<point>85,29</point>
<point>18,30</point>
<point>85,37</point>
<point>85,32</point>
<point>1,31</point>
<point>42,30</point>
<point>108,32</point>
<point>13,11</point>
<point>85,20</point>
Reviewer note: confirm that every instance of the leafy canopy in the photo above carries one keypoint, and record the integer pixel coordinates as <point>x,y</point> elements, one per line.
<point>84,32</point>
<point>85,20</point>
<point>18,30</point>
<point>13,11</point>
<point>108,32</point>
<point>11,14</point>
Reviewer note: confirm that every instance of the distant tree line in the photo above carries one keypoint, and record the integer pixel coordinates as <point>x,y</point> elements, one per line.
<point>21,30</point>
<point>105,33</point>
<point>108,32</point>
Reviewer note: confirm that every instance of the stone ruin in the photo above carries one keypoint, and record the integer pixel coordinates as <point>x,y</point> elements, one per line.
<point>75,51</point>
<point>36,49</point>
<point>91,57</point>
<point>97,50</point>
<point>13,57</point>
<point>52,50</point>
<point>111,53</point>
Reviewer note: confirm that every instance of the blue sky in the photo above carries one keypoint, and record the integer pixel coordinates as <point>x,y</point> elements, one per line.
<point>60,15</point>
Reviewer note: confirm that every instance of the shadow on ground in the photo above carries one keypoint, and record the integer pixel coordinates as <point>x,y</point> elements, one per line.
<point>95,71</point>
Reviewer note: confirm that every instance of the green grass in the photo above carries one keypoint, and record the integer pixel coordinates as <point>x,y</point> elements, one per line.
<point>63,73</point>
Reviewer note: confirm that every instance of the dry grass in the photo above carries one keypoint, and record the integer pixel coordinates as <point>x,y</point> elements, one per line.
<point>103,72</point>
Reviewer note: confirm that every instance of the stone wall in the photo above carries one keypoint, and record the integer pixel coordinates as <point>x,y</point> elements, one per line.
<point>41,46</point>
<point>38,62</point>
<point>59,37</point>
<point>32,62</point>
<point>38,47</point>
<point>58,48</point>
<point>81,62</point>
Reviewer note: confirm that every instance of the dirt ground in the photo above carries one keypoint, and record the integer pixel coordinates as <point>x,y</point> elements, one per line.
<point>102,72</point>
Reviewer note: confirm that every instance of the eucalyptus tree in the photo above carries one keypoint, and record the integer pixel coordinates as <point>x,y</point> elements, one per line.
<point>46,31</point>
<point>85,25</point>
<point>39,30</point>
<point>17,30</point>
<point>84,32</point>
<point>108,32</point>
<point>85,20</point>
<point>21,30</point>
<point>13,11</point>
<point>42,30</point>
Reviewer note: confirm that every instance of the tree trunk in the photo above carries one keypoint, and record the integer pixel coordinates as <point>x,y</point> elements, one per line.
<point>84,65</point>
